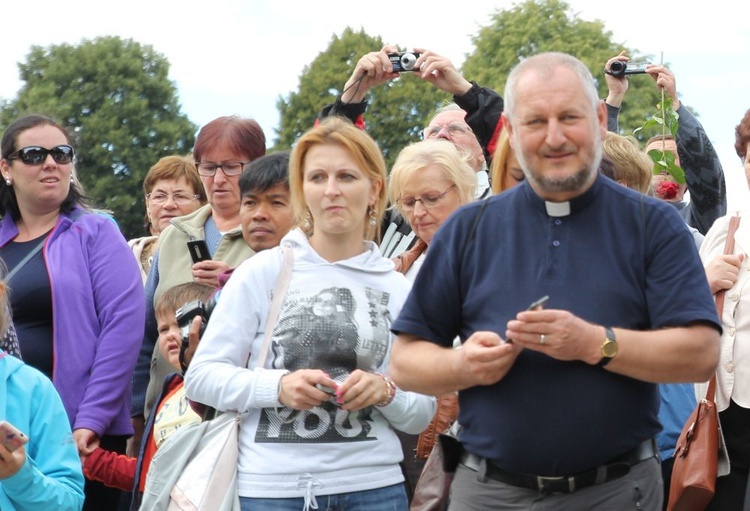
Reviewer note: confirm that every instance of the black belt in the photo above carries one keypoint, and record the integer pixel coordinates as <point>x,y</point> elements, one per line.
<point>614,469</point>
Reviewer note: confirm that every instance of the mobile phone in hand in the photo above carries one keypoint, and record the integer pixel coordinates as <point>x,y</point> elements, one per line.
<point>198,251</point>
<point>327,390</point>
<point>536,303</point>
<point>11,437</point>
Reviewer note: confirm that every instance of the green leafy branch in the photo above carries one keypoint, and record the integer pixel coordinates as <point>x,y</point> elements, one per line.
<point>667,119</point>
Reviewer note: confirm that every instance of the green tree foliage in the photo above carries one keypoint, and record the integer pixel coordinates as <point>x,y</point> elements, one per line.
<point>536,26</point>
<point>397,110</point>
<point>115,98</point>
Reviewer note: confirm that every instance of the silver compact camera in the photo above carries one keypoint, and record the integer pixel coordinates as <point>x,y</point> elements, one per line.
<point>404,61</point>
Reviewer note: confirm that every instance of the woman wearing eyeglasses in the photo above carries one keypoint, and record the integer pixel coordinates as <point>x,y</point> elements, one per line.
<point>222,149</point>
<point>428,182</point>
<point>173,188</point>
<point>77,296</point>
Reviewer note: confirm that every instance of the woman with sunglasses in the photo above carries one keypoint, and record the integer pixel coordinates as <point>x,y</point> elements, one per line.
<point>318,432</point>
<point>77,295</point>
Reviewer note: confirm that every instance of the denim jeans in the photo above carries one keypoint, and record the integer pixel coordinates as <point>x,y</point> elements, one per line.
<point>390,498</point>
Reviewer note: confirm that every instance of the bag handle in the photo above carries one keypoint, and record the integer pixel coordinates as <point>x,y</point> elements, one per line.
<point>277,298</point>
<point>734,223</point>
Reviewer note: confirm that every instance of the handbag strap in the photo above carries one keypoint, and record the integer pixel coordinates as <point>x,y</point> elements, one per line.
<point>73,216</point>
<point>277,298</point>
<point>25,260</point>
<point>734,223</point>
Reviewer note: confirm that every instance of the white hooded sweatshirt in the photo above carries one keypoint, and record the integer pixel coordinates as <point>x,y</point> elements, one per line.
<point>334,317</point>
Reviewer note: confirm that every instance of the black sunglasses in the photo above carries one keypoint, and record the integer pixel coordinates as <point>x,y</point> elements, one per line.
<point>36,155</point>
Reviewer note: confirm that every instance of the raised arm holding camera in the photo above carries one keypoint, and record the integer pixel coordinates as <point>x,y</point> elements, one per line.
<point>472,123</point>
<point>692,148</point>
<point>377,67</point>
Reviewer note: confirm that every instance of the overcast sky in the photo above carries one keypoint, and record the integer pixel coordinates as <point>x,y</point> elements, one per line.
<point>238,56</point>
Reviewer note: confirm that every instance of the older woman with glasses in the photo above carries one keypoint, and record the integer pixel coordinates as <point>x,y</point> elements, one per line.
<point>77,296</point>
<point>173,188</point>
<point>222,149</point>
<point>428,182</point>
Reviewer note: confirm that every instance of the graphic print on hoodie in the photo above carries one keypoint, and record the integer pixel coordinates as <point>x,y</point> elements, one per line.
<point>337,330</point>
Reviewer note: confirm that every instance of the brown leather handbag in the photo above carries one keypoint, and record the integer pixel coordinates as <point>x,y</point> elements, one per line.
<point>437,444</point>
<point>696,456</point>
<point>433,487</point>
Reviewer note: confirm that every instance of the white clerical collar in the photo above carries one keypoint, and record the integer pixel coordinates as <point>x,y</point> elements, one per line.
<point>557,208</point>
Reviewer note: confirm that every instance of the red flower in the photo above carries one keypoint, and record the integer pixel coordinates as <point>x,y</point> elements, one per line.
<point>667,190</point>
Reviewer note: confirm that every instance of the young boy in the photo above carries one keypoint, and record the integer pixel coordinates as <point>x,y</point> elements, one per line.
<point>172,410</point>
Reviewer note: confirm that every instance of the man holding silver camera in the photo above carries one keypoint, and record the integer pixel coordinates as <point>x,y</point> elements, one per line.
<point>471,122</point>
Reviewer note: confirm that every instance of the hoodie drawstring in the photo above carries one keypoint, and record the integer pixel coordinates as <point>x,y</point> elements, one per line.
<point>307,483</point>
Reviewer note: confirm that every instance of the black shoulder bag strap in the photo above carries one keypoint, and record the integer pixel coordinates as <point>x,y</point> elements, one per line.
<point>473,230</point>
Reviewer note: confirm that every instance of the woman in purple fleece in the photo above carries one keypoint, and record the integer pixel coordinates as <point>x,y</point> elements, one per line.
<point>77,296</point>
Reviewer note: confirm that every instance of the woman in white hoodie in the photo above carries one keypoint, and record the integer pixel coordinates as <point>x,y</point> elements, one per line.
<point>320,436</point>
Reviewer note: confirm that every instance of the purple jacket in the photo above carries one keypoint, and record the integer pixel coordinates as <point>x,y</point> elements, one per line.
<point>98,313</point>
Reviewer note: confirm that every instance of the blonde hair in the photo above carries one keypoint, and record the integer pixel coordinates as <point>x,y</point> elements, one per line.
<point>499,163</point>
<point>632,167</point>
<point>420,155</point>
<point>363,150</point>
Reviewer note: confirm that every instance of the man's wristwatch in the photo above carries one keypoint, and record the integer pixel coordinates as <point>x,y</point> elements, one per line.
<point>608,347</point>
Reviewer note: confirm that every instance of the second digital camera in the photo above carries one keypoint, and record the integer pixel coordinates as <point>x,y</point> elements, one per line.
<point>185,315</point>
<point>404,61</point>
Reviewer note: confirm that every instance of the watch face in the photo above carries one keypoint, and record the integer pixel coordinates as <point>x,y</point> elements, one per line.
<point>609,348</point>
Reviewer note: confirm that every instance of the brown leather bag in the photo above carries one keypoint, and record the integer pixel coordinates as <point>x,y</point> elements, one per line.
<point>696,456</point>
<point>433,487</point>
<point>446,414</point>
<point>431,492</point>
<point>405,260</point>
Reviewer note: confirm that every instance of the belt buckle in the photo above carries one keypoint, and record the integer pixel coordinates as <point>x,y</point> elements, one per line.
<point>555,487</point>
